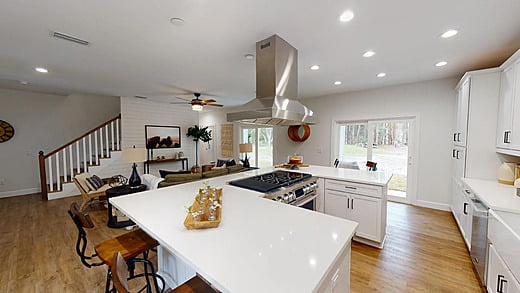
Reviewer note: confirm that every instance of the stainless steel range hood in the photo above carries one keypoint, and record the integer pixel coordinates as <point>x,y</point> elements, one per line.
<point>276,88</point>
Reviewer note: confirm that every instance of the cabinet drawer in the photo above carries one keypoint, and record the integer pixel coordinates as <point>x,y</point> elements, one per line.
<point>358,188</point>
<point>505,241</point>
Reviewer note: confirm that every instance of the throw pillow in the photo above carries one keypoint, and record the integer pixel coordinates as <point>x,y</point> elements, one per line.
<point>163,173</point>
<point>231,163</point>
<point>93,181</point>
<point>217,168</point>
<point>221,163</point>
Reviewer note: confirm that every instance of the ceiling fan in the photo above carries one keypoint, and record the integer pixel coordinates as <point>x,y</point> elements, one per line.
<point>197,104</point>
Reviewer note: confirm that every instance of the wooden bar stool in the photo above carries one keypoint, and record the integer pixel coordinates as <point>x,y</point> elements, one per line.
<point>130,244</point>
<point>120,279</point>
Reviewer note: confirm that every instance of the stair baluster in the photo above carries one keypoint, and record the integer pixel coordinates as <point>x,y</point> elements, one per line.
<point>50,173</point>
<point>78,169</point>
<point>107,145</point>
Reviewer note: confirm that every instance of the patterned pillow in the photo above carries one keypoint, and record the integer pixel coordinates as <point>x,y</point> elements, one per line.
<point>221,163</point>
<point>95,182</point>
<point>231,163</point>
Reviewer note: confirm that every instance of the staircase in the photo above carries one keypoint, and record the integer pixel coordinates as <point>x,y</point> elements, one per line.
<point>82,154</point>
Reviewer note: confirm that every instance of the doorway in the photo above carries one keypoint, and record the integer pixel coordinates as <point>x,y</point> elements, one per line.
<point>387,142</point>
<point>262,140</point>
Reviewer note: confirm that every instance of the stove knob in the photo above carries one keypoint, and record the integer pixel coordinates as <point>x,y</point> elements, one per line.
<point>286,197</point>
<point>279,199</point>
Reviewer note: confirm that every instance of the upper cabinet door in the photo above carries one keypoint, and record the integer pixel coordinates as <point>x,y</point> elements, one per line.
<point>514,136</point>
<point>459,136</point>
<point>505,108</point>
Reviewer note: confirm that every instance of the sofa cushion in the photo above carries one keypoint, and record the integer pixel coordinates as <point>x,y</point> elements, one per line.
<point>163,173</point>
<point>231,163</point>
<point>215,173</point>
<point>182,177</point>
<point>236,168</point>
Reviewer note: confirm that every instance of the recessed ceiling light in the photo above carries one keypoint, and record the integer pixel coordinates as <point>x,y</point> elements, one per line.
<point>315,67</point>
<point>337,82</point>
<point>381,74</point>
<point>249,56</point>
<point>177,21</point>
<point>441,63</point>
<point>346,16</point>
<point>449,33</point>
<point>24,82</point>
<point>369,54</point>
<point>41,69</point>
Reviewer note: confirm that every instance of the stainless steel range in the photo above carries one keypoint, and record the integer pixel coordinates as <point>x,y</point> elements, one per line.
<point>298,189</point>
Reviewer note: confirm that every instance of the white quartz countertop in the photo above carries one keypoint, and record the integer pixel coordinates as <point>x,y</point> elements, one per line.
<point>361,176</point>
<point>497,196</point>
<point>260,245</point>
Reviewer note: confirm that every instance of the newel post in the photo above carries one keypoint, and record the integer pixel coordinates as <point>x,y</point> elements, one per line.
<point>43,175</point>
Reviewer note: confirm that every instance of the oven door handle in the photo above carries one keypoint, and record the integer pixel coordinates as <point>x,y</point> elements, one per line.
<point>306,200</point>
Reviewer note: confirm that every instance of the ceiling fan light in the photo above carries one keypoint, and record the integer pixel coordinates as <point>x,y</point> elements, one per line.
<point>196,107</point>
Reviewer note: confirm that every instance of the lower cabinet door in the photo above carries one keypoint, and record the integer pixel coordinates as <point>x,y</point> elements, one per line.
<point>499,278</point>
<point>367,212</point>
<point>336,203</point>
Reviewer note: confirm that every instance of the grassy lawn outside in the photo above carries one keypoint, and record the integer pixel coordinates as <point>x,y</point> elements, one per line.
<point>398,182</point>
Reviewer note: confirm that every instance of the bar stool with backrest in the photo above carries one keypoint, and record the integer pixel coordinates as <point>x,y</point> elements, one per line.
<point>120,279</point>
<point>130,244</point>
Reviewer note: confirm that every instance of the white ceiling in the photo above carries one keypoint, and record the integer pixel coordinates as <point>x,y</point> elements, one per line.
<point>135,50</point>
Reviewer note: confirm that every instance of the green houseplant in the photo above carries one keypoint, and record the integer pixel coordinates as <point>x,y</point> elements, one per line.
<point>199,133</point>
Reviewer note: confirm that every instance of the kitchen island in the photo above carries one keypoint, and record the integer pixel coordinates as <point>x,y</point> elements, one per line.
<point>260,245</point>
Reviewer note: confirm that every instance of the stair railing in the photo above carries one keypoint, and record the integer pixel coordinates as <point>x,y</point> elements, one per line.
<point>75,157</point>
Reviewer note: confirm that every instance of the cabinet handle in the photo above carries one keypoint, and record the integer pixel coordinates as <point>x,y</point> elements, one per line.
<point>458,137</point>
<point>467,191</point>
<point>457,156</point>
<point>502,282</point>
<point>499,284</point>
<point>465,208</point>
<point>348,203</point>
<point>507,137</point>
<point>352,203</point>
<point>351,187</point>
<point>455,136</point>
<point>453,153</point>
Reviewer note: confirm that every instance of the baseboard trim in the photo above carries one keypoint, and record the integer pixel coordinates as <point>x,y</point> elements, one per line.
<point>19,192</point>
<point>432,205</point>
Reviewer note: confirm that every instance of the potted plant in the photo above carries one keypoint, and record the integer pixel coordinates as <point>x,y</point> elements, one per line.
<point>198,133</point>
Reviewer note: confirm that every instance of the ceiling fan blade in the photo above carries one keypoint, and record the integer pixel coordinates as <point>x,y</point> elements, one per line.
<point>187,100</point>
<point>215,105</point>
<point>209,101</point>
<point>180,103</point>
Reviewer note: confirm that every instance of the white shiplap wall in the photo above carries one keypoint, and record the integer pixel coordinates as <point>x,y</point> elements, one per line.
<point>136,113</point>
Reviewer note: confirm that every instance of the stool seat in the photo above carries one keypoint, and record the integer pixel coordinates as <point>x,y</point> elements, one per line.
<point>130,245</point>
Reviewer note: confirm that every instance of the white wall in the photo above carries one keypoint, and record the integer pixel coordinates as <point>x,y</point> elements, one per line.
<point>432,101</point>
<point>44,122</point>
<point>136,113</point>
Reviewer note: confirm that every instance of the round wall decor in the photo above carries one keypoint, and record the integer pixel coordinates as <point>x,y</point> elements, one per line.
<point>299,133</point>
<point>6,131</point>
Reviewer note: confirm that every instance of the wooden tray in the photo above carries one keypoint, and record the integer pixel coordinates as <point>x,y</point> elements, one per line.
<point>191,224</point>
<point>290,165</point>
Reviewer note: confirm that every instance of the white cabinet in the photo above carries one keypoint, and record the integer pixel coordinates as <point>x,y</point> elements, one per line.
<point>499,277</point>
<point>461,126</point>
<point>458,157</point>
<point>461,210</point>
<point>349,200</point>
<point>508,125</point>
<point>337,279</point>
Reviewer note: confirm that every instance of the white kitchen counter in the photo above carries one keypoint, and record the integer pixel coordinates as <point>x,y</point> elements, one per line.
<point>361,176</point>
<point>499,197</point>
<point>260,245</point>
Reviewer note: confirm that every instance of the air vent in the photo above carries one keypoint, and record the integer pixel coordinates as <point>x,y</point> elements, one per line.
<point>70,38</point>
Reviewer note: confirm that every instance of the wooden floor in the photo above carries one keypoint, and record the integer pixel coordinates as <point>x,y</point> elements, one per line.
<point>424,251</point>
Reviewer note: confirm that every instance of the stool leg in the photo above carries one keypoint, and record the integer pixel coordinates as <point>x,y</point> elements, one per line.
<point>109,278</point>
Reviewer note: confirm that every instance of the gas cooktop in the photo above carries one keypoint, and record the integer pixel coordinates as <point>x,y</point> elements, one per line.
<point>271,181</point>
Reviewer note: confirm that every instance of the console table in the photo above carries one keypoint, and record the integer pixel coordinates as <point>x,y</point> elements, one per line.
<point>150,162</point>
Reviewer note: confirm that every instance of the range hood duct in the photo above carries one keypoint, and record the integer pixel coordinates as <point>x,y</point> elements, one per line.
<point>276,88</point>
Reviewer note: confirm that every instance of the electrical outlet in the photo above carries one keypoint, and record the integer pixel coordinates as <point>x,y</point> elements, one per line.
<point>2,181</point>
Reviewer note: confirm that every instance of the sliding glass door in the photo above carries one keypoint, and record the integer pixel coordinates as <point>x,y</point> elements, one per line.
<point>262,140</point>
<point>385,142</point>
